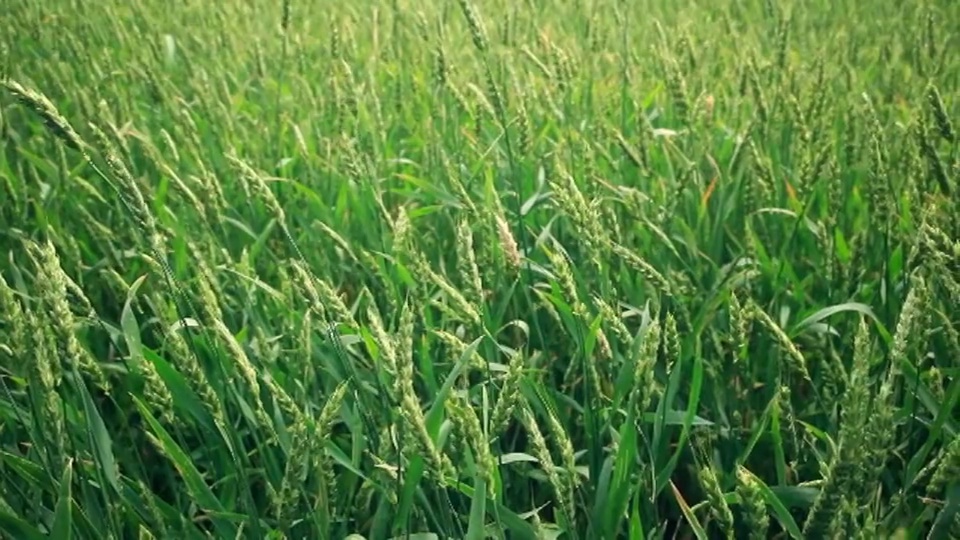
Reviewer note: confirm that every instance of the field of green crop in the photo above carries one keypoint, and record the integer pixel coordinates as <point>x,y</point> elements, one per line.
<point>472,269</point>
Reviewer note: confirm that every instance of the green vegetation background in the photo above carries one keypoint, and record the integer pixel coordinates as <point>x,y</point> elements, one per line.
<point>589,269</point>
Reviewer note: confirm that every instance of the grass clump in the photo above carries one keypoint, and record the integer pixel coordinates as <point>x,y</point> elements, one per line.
<point>602,270</point>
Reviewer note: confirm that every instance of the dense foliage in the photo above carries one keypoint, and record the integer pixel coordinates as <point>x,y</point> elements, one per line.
<point>592,269</point>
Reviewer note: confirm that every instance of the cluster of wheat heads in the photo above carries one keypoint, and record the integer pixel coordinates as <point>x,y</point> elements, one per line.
<point>478,269</point>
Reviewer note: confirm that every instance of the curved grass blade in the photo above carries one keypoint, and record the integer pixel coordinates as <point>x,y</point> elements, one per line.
<point>17,528</point>
<point>129,324</point>
<point>63,515</point>
<point>830,311</point>
<point>512,523</point>
<point>475,528</point>
<point>780,510</point>
<point>691,518</point>
<point>947,516</point>
<point>196,485</point>
<point>100,440</point>
<point>696,384</point>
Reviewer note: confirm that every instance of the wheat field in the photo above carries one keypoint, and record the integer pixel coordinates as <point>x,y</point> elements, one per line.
<point>479,269</point>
